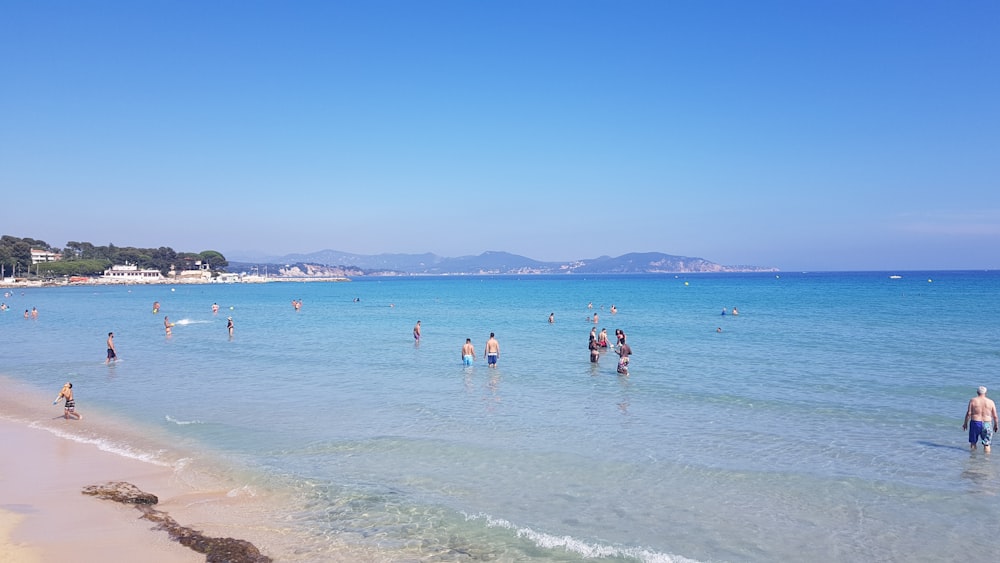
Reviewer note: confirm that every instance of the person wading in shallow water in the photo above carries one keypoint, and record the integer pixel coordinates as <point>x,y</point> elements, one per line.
<point>492,351</point>
<point>112,354</point>
<point>982,413</point>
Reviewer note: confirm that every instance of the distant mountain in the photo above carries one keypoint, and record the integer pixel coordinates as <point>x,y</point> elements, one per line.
<point>336,263</point>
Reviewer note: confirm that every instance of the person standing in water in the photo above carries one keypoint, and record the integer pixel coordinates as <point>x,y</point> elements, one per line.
<point>69,407</point>
<point>624,351</point>
<point>112,354</point>
<point>979,416</point>
<point>167,324</point>
<point>602,338</point>
<point>416,332</point>
<point>468,352</point>
<point>229,326</point>
<point>595,351</point>
<point>492,351</point>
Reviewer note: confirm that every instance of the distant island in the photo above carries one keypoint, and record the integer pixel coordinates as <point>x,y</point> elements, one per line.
<point>332,263</point>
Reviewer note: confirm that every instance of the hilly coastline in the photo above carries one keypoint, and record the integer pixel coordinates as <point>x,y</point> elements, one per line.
<point>327,263</point>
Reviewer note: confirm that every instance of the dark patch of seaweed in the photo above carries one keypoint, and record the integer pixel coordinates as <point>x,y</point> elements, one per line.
<point>216,550</point>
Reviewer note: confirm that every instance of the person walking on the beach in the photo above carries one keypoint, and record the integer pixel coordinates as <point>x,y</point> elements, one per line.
<point>69,407</point>
<point>229,326</point>
<point>492,351</point>
<point>468,352</point>
<point>112,355</point>
<point>982,413</point>
<point>416,332</point>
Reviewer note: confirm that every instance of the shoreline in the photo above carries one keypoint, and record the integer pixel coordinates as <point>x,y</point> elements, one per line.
<point>45,516</point>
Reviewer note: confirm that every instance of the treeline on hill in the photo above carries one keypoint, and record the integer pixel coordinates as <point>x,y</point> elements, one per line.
<point>85,259</point>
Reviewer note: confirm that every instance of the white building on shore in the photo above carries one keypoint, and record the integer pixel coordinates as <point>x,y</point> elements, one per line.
<point>130,273</point>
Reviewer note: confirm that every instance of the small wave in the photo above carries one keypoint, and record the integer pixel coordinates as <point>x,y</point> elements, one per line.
<point>244,491</point>
<point>190,322</point>
<point>107,446</point>
<point>182,422</point>
<point>585,549</point>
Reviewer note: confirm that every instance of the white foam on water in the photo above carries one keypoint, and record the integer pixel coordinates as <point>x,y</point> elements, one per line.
<point>109,446</point>
<point>191,322</point>
<point>181,422</point>
<point>574,545</point>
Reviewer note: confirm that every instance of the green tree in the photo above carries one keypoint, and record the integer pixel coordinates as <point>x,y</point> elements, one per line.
<point>74,268</point>
<point>214,259</point>
<point>21,252</point>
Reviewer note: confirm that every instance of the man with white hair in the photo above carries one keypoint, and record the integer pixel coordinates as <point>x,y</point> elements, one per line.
<point>982,412</point>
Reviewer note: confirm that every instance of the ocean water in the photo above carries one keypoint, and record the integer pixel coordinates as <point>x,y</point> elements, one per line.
<point>822,423</point>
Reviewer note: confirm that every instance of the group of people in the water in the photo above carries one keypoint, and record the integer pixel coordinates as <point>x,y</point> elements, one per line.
<point>599,344</point>
<point>230,326</point>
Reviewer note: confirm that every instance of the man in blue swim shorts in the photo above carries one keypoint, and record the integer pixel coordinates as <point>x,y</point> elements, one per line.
<point>979,417</point>
<point>492,351</point>
<point>468,352</point>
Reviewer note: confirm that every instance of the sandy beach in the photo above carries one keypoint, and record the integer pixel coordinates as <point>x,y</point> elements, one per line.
<point>44,516</point>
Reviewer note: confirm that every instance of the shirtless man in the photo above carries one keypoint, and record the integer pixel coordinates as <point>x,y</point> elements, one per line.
<point>624,351</point>
<point>112,355</point>
<point>492,351</point>
<point>981,412</point>
<point>602,338</point>
<point>416,331</point>
<point>468,352</point>
<point>69,407</point>
<point>167,324</point>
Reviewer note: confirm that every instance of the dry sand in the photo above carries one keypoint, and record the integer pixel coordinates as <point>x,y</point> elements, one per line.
<point>45,517</point>
<point>46,461</point>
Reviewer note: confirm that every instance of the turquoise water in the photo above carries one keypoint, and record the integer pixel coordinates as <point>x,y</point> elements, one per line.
<point>823,422</point>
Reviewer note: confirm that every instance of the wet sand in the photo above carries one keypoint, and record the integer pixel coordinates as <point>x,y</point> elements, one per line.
<point>47,461</point>
<point>45,517</point>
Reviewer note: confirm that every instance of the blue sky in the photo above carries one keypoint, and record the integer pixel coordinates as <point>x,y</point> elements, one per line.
<point>826,135</point>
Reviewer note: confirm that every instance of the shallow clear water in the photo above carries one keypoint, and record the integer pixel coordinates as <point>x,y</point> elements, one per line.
<point>822,422</point>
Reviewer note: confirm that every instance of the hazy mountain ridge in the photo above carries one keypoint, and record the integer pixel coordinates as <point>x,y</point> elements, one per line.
<point>336,263</point>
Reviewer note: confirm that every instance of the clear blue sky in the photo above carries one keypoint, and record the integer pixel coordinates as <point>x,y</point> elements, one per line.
<point>804,135</point>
